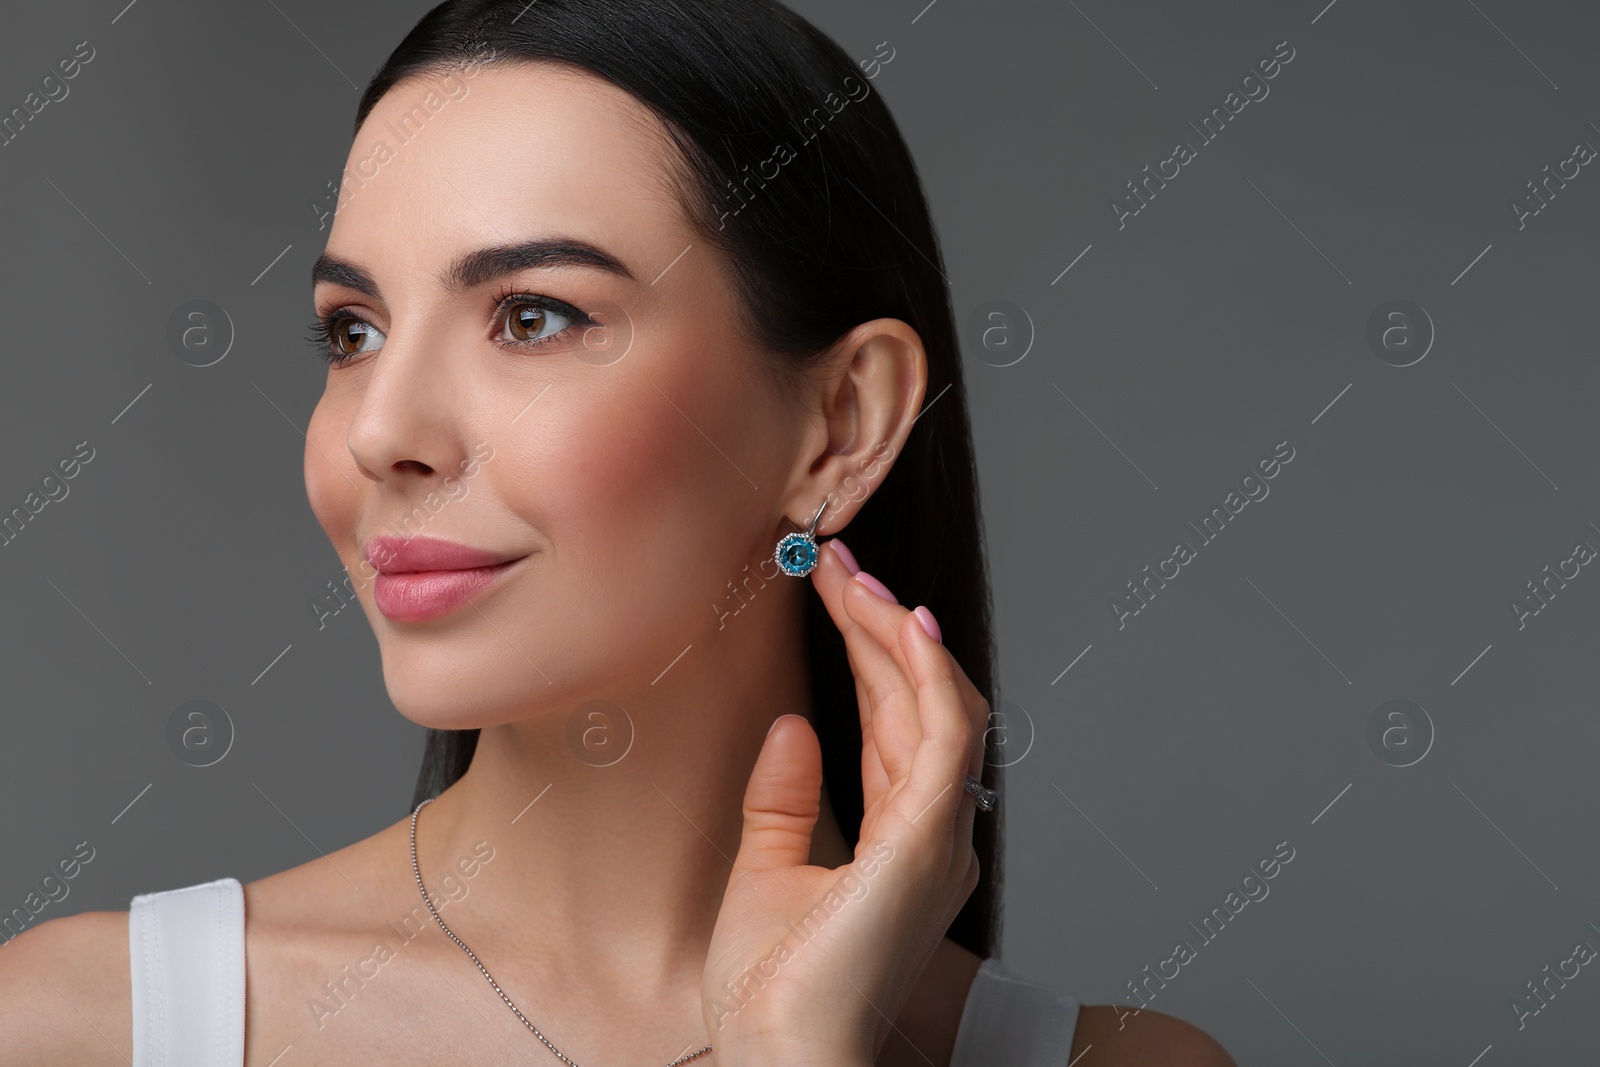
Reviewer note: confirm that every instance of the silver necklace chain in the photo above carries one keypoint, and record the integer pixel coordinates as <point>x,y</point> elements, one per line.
<point>415,869</point>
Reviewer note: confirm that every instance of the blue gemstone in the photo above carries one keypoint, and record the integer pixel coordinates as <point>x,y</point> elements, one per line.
<point>797,555</point>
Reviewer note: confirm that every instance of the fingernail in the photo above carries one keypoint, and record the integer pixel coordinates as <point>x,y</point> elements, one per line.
<point>929,623</point>
<point>847,557</point>
<point>775,723</point>
<point>876,586</point>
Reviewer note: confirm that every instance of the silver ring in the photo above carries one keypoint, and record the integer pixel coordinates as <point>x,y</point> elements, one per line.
<point>987,798</point>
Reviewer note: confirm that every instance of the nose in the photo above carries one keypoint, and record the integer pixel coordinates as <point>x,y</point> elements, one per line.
<point>407,425</point>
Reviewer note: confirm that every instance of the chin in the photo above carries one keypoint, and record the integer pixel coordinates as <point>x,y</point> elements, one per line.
<point>450,692</point>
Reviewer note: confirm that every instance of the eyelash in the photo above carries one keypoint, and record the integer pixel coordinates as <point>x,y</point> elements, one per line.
<point>325,327</point>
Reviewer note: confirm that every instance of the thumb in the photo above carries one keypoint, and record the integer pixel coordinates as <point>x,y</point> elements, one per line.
<point>781,803</point>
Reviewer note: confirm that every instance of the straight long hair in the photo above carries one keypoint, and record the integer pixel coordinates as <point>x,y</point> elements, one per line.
<point>792,166</point>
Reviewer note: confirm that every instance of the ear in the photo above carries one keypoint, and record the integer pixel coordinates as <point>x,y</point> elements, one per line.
<point>868,392</point>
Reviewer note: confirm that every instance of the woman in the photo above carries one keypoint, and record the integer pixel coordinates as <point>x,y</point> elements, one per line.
<point>625,304</point>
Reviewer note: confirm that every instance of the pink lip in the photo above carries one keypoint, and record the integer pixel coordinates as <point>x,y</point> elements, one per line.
<point>423,578</point>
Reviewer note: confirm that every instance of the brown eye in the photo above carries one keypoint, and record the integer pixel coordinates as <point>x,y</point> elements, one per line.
<point>526,321</point>
<point>529,321</point>
<point>348,336</point>
<point>342,336</point>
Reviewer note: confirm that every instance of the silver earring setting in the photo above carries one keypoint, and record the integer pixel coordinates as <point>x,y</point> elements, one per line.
<point>796,554</point>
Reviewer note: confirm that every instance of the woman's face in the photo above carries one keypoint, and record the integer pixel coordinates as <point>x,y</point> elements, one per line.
<point>630,467</point>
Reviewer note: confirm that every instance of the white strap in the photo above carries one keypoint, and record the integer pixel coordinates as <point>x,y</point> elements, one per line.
<point>186,954</point>
<point>1014,1022</point>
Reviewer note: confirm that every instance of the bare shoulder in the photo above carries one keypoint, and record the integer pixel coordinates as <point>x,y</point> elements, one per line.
<point>321,896</point>
<point>303,923</point>
<point>1145,1038</point>
<point>65,992</point>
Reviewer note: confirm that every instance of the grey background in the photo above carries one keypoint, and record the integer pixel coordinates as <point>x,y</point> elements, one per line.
<point>1229,715</point>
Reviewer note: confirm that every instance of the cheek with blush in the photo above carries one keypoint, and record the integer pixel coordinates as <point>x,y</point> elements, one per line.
<point>642,500</point>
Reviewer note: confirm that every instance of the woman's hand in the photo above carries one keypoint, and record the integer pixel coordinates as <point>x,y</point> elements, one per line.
<point>810,965</point>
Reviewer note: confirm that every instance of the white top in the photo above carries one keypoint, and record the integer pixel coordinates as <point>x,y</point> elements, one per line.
<point>186,953</point>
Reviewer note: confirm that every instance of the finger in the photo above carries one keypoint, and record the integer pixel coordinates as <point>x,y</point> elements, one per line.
<point>865,611</point>
<point>876,619</point>
<point>950,741</point>
<point>887,699</point>
<point>829,578</point>
<point>885,621</point>
<point>783,799</point>
<point>882,620</point>
<point>976,711</point>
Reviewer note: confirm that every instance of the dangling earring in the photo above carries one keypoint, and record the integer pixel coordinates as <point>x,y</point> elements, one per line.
<point>796,553</point>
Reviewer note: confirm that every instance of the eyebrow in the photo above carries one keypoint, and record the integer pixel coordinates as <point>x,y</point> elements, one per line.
<point>472,269</point>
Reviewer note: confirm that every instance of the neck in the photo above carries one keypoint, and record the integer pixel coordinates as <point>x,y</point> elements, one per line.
<point>615,821</point>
